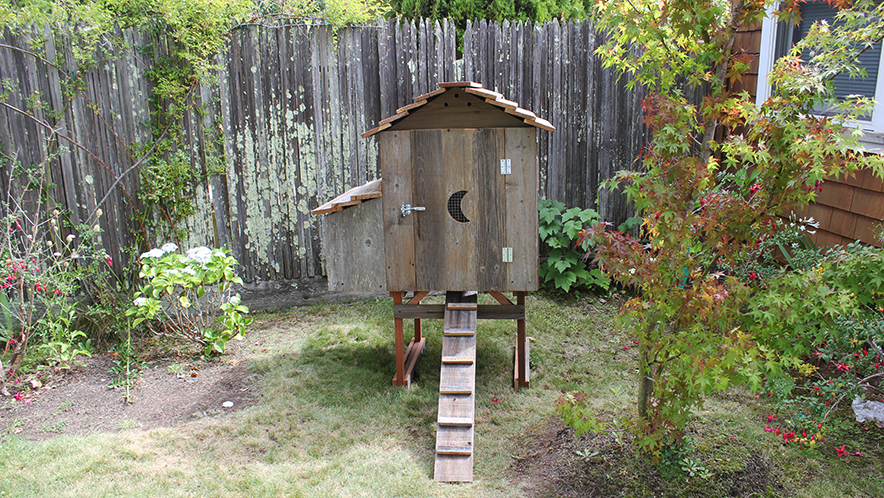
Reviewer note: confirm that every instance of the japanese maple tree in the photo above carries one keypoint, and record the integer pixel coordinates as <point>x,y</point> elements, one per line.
<point>717,174</point>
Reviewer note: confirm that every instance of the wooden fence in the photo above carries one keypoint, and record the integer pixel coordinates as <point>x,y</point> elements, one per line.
<point>285,116</point>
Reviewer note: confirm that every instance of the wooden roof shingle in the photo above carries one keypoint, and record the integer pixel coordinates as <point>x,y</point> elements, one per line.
<point>489,96</point>
<point>352,197</point>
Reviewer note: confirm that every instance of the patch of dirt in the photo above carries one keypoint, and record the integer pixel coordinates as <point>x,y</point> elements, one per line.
<point>167,393</point>
<point>755,477</point>
<point>557,464</point>
<point>551,467</point>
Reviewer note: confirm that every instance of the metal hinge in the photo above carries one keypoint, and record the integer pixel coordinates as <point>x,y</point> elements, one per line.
<point>506,166</point>
<point>507,254</point>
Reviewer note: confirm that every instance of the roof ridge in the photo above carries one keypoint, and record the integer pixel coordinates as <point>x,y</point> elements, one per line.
<point>490,96</point>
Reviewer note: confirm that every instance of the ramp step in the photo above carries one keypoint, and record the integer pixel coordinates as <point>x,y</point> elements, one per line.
<point>463,306</point>
<point>454,468</point>
<point>458,360</point>
<point>456,421</point>
<point>453,450</point>
<point>459,332</point>
<point>455,390</point>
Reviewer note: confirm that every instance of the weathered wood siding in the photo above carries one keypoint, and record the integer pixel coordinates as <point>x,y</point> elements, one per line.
<point>285,117</point>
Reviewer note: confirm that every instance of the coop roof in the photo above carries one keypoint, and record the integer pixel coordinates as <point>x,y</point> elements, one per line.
<point>351,197</point>
<point>491,110</point>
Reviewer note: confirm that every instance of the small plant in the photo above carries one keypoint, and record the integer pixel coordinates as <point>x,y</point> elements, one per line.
<point>675,462</point>
<point>572,408</point>
<point>182,293</point>
<point>565,265</point>
<point>586,454</point>
<point>694,468</point>
<point>177,369</point>
<point>62,343</point>
<point>127,368</point>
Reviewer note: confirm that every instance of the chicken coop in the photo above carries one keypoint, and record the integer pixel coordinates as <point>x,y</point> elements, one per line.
<point>455,211</point>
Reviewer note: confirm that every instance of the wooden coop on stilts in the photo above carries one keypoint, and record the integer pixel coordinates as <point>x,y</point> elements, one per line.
<point>458,213</point>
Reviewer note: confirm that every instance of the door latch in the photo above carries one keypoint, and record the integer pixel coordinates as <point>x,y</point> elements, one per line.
<point>408,208</point>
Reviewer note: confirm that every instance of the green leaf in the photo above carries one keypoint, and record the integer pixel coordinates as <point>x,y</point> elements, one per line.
<point>562,265</point>
<point>564,281</point>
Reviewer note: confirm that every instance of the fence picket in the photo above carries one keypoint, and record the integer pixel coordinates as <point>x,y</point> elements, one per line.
<point>289,106</point>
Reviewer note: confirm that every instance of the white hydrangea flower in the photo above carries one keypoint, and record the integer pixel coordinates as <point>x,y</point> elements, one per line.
<point>188,270</point>
<point>200,254</point>
<point>169,247</point>
<point>153,253</point>
<point>234,300</point>
<point>141,301</point>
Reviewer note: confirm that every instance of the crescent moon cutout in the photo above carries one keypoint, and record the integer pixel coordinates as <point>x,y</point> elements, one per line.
<point>455,209</point>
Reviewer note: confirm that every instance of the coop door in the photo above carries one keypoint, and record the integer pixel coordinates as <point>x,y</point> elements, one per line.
<point>463,207</point>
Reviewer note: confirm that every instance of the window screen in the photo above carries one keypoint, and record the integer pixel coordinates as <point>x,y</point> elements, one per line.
<point>844,84</point>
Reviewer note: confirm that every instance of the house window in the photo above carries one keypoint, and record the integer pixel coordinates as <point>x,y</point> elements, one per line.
<point>777,38</point>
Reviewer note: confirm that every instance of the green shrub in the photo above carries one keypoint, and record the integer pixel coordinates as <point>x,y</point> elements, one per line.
<point>565,266</point>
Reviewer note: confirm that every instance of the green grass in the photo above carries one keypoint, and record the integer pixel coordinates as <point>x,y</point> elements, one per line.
<point>331,424</point>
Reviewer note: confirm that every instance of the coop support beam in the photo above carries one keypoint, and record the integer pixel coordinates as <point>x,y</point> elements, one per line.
<point>399,380</point>
<point>521,346</point>
<point>437,311</point>
<point>418,328</point>
<point>500,298</point>
<point>406,358</point>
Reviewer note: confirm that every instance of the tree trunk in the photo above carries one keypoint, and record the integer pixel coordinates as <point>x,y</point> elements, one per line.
<point>645,373</point>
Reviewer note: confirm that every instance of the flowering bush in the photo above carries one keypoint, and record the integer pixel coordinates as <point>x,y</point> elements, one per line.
<point>826,323</point>
<point>182,294</point>
<point>43,264</point>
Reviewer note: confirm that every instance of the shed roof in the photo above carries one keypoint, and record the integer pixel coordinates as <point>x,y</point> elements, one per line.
<point>352,197</point>
<point>493,98</point>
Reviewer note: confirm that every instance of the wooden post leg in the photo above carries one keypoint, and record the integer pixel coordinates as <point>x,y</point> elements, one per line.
<point>418,330</point>
<point>399,380</point>
<point>521,360</point>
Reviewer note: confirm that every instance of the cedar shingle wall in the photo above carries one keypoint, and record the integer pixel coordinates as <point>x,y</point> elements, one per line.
<point>748,40</point>
<point>848,208</point>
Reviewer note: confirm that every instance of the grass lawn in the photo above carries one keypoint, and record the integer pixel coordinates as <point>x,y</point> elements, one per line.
<point>331,424</point>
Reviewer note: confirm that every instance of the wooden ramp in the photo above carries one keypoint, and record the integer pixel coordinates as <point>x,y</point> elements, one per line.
<point>457,393</point>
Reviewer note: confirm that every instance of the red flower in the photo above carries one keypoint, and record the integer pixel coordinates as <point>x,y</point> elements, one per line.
<point>755,188</point>
<point>841,451</point>
<point>110,261</point>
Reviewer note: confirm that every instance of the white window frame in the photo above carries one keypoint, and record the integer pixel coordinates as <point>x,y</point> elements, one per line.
<point>874,128</point>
